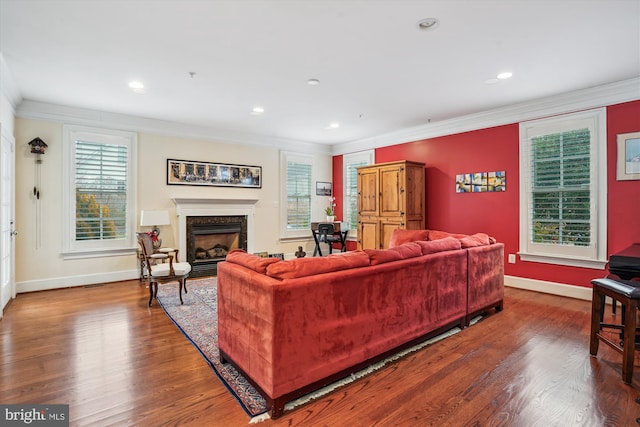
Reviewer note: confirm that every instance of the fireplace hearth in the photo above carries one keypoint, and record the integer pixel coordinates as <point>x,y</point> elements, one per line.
<point>211,238</point>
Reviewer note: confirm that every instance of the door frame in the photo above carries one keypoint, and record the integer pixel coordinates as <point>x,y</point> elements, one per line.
<point>7,218</point>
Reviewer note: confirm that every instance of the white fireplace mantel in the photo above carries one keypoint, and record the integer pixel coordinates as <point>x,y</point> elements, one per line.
<point>213,207</point>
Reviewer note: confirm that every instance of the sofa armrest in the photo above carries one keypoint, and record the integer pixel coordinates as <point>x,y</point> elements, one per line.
<point>486,277</point>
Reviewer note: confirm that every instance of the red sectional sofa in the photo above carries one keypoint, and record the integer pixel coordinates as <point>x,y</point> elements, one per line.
<point>293,326</point>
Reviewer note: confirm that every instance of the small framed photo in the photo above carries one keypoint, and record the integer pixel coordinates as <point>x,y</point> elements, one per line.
<point>628,156</point>
<point>323,188</point>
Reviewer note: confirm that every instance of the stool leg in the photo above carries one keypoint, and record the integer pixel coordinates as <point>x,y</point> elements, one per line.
<point>629,346</point>
<point>596,315</point>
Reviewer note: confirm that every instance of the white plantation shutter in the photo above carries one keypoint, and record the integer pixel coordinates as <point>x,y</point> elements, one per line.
<point>99,195</point>
<point>350,192</point>
<point>101,190</point>
<point>296,175</point>
<point>560,192</point>
<point>298,195</point>
<point>563,189</point>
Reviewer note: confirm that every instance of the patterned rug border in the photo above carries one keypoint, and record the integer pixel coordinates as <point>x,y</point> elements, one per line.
<point>248,398</point>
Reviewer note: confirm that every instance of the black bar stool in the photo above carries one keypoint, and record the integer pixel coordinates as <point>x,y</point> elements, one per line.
<point>628,295</point>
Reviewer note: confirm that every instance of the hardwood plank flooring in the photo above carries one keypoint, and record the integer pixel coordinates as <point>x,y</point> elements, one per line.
<point>117,362</point>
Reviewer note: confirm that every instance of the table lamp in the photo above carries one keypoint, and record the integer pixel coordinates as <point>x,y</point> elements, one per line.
<point>154,218</point>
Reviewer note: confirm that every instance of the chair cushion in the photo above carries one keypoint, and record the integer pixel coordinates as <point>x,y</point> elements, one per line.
<point>162,270</point>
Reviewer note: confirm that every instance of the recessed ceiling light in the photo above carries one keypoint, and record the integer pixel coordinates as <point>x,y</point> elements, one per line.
<point>136,85</point>
<point>333,125</point>
<point>428,24</point>
<point>257,111</point>
<point>313,82</point>
<point>505,75</point>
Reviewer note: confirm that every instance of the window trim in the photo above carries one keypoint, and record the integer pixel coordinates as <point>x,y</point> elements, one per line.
<point>347,159</point>
<point>72,249</point>
<point>596,256</point>
<point>286,234</point>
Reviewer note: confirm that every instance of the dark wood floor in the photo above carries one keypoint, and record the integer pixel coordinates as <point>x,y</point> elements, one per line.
<point>117,362</point>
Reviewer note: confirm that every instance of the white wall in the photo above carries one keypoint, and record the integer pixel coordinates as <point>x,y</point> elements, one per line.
<point>43,267</point>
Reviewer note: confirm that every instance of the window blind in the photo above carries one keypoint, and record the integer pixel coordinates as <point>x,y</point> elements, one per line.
<point>351,192</point>
<point>298,195</point>
<point>560,191</point>
<point>101,190</point>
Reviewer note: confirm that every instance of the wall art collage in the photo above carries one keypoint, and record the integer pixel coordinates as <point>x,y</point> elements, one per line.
<point>480,182</point>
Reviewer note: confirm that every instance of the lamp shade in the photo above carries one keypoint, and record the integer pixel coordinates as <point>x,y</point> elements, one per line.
<point>150,218</point>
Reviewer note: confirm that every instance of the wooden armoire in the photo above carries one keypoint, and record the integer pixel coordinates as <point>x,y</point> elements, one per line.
<point>390,196</point>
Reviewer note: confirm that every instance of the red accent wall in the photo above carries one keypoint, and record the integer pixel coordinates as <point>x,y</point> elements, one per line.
<point>497,214</point>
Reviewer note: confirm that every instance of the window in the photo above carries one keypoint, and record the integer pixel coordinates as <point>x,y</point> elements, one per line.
<point>350,192</point>
<point>99,193</point>
<point>563,190</point>
<point>296,177</point>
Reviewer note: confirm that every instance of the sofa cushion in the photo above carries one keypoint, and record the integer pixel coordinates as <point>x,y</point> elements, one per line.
<point>399,237</point>
<point>381,256</point>
<point>478,239</point>
<point>253,262</point>
<point>303,267</point>
<point>445,244</point>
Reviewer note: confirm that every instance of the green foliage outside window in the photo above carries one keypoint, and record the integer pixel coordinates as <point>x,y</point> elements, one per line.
<point>93,220</point>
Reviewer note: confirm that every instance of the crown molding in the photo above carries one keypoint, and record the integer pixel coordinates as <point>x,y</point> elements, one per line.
<point>8,86</point>
<point>81,116</point>
<point>614,93</point>
<point>600,96</point>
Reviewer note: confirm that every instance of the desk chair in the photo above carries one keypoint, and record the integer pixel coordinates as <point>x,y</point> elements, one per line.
<point>162,272</point>
<point>326,234</point>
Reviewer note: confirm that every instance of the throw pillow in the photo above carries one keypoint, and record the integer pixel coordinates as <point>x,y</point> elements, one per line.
<point>436,234</point>
<point>440,245</point>
<point>303,267</point>
<point>251,261</point>
<point>407,250</point>
<point>478,239</point>
<point>399,237</point>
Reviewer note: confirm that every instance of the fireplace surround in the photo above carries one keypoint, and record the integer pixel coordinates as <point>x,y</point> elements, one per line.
<point>216,226</point>
<point>211,238</point>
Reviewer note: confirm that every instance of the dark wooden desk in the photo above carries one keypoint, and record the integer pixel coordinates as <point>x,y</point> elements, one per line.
<point>624,265</point>
<point>337,231</point>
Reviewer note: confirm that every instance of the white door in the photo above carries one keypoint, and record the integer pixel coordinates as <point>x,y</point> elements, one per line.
<point>7,225</point>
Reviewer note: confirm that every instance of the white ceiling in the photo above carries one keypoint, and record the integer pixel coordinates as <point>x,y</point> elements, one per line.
<point>378,72</point>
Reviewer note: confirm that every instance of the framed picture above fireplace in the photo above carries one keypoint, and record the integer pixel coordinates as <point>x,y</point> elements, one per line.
<point>190,172</point>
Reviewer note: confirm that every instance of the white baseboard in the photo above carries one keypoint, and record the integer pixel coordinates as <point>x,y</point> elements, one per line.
<point>71,281</point>
<point>553,288</point>
<point>91,279</point>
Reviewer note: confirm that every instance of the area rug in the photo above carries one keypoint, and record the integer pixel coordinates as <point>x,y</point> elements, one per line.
<point>197,318</point>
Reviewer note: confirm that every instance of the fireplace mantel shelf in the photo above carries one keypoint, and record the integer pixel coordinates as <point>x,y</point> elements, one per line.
<point>215,201</point>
